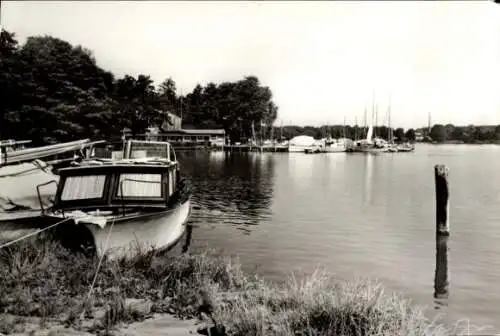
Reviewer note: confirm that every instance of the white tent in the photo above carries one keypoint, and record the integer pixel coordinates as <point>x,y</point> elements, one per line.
<point>302,141</point>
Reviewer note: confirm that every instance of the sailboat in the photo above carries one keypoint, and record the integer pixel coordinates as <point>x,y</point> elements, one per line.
<point>369,144</point>
<point>335,145</point>
<point>391,146</point>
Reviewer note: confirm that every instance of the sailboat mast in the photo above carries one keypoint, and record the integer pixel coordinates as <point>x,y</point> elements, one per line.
<point>343,129</point>
<point>389,121</point>
<point>373,108</point>
<point>356,128</point>
<point>180,102</point>
<point>429,123</point>
<point>365,126</point>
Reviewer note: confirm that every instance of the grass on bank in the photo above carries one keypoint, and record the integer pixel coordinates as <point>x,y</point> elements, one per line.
<point>44,280</point>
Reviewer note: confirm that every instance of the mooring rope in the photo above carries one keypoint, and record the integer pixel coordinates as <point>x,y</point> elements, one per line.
<point>33,233</point>
<point>101,258</point>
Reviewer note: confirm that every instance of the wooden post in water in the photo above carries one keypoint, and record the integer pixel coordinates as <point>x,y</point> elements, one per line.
<point>442,200</point>
<point>441,275</point>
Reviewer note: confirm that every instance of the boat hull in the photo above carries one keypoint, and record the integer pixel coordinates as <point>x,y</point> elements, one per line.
<point>131,234</point>
<point>19,225</point>
<point>334,149</point>
<point>405,149</point>
<point>373,150</point>
<point>298,149</point>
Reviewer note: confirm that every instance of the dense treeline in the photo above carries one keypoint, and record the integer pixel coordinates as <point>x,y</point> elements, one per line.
<point>438,133</point>
<point>465,134</point>
<point>340,131</point>
<point>53,91</point>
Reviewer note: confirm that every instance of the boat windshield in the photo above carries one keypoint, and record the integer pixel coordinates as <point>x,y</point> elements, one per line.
<point>140,185</point>
<point>83,187</point>
<point>138,149</point>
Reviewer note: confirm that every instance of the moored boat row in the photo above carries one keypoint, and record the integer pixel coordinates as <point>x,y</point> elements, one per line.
<point>103,205</point>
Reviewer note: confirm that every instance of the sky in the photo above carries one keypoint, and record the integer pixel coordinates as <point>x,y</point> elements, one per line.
<point>324,61</point>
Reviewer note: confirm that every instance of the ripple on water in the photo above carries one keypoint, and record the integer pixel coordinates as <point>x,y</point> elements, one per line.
<point>357,215</point>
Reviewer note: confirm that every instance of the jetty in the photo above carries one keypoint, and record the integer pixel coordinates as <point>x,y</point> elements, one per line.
<point>254,148</point>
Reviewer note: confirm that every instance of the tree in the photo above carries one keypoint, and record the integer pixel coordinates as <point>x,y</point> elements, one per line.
<point>438,133</point>
<point>235,106</point>
<point>497,132</point>
<point>9,81</point>
<point>57,92</point>
<point>167,95</point>
<point>56,85</point>
<point>399,133</point>
<point>410,134</point>
<point>137,103</point>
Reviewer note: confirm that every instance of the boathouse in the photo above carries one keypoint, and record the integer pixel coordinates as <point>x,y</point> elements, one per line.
<point>171,130</point>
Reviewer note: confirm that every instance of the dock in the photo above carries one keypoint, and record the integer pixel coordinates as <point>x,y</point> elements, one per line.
<point>251,148</point>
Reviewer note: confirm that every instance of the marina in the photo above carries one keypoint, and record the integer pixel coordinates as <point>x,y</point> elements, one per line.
<point>238,174</point>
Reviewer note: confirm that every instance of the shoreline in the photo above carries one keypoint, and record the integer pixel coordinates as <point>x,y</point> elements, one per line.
<point>45,286</point>
<point>457,142</point>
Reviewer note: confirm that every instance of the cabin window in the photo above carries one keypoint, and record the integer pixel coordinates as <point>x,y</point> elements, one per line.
<point>83,187</point>
<point>140,185</point>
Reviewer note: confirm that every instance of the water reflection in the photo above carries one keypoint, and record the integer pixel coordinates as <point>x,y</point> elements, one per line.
<point>232,188</point>
<point>300,169</point>
<point>357,215</point>
<point>367,195</point>
<point>441,276</point>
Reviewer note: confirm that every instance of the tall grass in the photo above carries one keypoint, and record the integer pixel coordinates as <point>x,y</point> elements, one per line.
<point>43,279</point>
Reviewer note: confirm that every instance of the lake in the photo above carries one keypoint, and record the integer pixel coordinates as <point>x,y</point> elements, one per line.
<point>357,215</point>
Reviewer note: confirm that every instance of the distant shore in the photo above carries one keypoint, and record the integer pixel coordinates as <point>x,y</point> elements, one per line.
<point>460,142</point>
<point>46,285</point>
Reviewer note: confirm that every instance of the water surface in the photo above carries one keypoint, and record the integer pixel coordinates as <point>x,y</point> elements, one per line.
<point>357,215</point>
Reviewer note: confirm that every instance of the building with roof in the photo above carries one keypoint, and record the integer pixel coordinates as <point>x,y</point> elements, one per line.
<point>171,130</point>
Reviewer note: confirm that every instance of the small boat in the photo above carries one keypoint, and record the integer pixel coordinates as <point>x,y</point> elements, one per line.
<point>363,146</point>
<point>406,147</point>
<point>137,201</point>
<point>335,147</point>
<point>391,148</point>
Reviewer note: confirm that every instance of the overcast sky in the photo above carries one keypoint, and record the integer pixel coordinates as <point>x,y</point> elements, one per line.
<point>322,60</point>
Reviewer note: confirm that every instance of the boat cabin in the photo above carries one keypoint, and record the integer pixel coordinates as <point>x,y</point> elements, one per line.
<point>117,185</point>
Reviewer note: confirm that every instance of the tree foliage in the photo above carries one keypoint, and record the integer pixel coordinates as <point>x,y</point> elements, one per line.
<point>236,106</point>
<point>56,92</point>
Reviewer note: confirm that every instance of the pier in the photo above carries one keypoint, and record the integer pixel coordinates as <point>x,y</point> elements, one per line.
<point>251,148</point>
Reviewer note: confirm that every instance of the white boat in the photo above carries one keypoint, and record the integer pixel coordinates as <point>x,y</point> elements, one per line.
<point>25,190</point>
<point>391,147</point>
<point>139,201</point>
<point>406,147</point>
<point>334,148</point>
<point>368,145</point>
<point>301,143</point>
<point>28,154</point>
